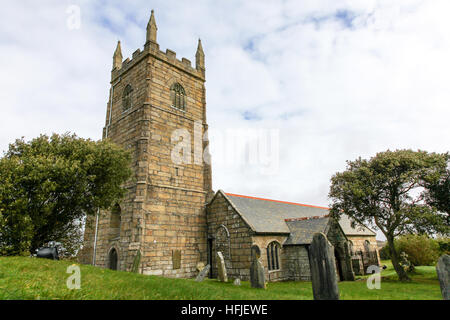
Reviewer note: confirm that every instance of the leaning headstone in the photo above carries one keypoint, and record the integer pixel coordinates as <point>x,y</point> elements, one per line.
<point>200,266</point>
<point>257,277</point>
<point>349,274</point>
<point>221,269</point>
<point>323,269</point>
<point>255,252</point>
<point>443,272</point>
<point>237,282</point>
<point>405,263</point>
<point>202,274</point>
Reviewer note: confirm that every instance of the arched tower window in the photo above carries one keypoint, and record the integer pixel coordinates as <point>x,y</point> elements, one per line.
<point>178,96</point>
<point>126,97</point>
<point>114,224</point>
<point>273,256</point>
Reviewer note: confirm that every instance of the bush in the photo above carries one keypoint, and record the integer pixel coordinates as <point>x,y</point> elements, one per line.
<point>444,245</point>
<point>421,250</point>
<point>385,254</point>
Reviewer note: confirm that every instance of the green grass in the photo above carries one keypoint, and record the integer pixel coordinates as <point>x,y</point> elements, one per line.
<point>31,278</point>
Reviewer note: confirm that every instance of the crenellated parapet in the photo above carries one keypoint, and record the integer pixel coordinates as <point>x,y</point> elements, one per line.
<point>151,48</point>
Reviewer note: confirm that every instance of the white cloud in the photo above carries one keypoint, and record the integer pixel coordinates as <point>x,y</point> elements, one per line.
<point>339,79</point>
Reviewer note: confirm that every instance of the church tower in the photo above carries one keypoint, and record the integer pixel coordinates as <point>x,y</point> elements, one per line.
<point>157,110</point>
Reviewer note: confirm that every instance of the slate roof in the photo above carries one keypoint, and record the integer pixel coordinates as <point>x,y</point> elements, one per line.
<point>268,216</point>
<point>302,231</point>
<point>358,230</point>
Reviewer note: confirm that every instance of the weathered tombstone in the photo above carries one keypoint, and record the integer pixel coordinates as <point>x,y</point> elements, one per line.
<point>221,269</point>
<point>237,282</point>
<point>176,259</point>
<point>202,274</point>
<point>257,277</point>
<point>200,266</point>
<point>443,272</point>
<point>349,274</point>
<point>323,269</point>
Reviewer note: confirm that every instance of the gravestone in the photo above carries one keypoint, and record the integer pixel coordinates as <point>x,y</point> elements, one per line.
<point>221,269</point>
<point>176,259</point>
<point>237,282</point>
<point>257,277</point>
<point>323,269</point>
<point>202,274</point>
<point>200,266</point>
<point>349,274</point>
<point>443,272</point>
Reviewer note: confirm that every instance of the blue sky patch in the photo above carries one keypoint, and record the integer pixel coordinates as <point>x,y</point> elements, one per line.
<point>346,17</point>
<point>250,116</point>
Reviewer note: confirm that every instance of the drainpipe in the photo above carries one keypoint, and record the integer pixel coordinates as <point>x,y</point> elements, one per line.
<point>106,136</point>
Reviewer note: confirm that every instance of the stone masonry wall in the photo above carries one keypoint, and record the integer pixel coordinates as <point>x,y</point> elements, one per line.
<point>358,244</point>
<point>263,241</point>
<point>238,259</point>
<point>296,263</point>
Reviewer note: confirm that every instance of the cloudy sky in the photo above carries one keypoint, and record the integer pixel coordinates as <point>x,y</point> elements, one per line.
<point>335,79</point>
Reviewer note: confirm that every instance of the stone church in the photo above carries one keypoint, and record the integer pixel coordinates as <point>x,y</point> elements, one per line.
<point>171,220</point>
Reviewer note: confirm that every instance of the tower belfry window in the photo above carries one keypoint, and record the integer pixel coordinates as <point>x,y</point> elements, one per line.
<point>126,98</point>
<point>178,96</point>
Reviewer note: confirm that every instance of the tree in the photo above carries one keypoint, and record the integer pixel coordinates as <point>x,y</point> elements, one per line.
<point>50,183</point>
<point>15,229</point>
<point>385,193</point>
<point>438,192</point>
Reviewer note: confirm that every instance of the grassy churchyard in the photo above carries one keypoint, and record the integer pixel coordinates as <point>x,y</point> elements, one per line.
<point>31,278</point>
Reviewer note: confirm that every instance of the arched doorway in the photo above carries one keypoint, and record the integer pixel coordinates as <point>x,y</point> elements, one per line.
<point>112,259</point>
<point>338,264</point>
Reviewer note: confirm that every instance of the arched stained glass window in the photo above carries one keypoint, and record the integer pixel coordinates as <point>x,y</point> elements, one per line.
<point>178,96</point>
<point>273,256</point>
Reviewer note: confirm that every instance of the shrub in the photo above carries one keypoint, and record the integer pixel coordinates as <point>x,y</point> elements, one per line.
<point>421,250</point>
<point>385,254</point>
<point>444,245</point>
